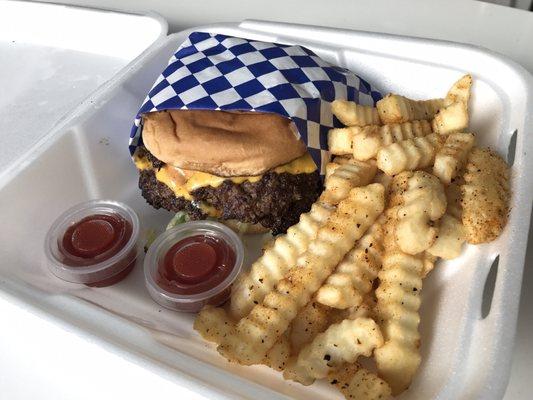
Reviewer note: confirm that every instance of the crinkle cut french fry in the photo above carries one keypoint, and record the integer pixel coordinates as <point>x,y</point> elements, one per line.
<point>353,277</point>
<point>355,382</point>
<point>450,239</point>
<point>340,140</point>
<point>368,140</point>
<point>423,202</point>
<point>341,343</point>
<point>367,143</point>
<point>485,196</point>
<point>213,324</point>
<point>451,157</point>
<point>395,109</point>
<point>251,288</point>
<point>460,91</point>
<point>353,114</point>
<point>454,116</point>
<point>409,155</point>
<point>398,301</point>
<point>344,178</point>
<point>334,164</point>
<point>364,142</point>
<point>313,319</point>
<point>278,356</point>
<point>259,331</point>
<point>450,119</point>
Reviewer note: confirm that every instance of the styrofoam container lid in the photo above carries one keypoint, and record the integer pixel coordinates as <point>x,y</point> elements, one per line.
<point>53,56</point>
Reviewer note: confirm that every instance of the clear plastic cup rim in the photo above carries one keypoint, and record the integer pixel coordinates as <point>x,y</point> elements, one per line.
<point>178,233</point>
<point>103,269</point>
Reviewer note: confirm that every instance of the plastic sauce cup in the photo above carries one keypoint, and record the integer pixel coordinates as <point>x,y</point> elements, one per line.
<point>192,265</point>
<point>93,243</point>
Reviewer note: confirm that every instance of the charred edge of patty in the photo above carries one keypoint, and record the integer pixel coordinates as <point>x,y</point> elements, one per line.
<point>143,152</point>
<point>159,195</point>
<point>276,201</point>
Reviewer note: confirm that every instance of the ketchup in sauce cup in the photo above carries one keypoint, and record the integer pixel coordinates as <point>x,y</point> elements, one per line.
<point>192,265</point>
<point>94,243</point>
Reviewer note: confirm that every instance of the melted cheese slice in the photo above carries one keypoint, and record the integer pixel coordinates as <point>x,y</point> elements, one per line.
<point>183,182</point>
<point>171,177</point>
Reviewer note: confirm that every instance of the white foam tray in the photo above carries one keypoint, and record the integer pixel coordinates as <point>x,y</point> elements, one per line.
<point>466,354</point>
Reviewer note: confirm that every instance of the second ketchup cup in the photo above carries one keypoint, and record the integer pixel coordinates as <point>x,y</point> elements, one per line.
<point>192,265</point>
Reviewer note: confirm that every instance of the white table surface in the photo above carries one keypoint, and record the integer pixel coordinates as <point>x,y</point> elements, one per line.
<point>36,372</point>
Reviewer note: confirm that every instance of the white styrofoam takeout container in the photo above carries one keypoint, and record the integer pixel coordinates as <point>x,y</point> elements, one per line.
<point>52,57</point>
<point>466,352</point>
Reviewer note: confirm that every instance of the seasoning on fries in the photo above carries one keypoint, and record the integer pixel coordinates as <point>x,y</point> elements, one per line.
<point>408,187</point>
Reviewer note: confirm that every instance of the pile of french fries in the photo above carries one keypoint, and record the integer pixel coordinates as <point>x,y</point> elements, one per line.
<point>407,186</point>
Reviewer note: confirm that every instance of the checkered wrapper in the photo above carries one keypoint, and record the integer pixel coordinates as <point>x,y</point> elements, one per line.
<point>218,72</point>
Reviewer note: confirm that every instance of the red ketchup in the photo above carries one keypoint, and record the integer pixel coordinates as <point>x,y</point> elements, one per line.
<point>94,239</point>
<point>195,265</point>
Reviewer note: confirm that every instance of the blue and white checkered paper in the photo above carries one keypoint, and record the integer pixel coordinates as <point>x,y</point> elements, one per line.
<point>218,72</point>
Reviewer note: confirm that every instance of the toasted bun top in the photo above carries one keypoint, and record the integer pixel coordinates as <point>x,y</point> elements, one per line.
<point>221,143</point>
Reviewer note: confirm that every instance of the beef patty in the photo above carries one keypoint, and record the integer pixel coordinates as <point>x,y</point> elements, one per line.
<point>275,201</point>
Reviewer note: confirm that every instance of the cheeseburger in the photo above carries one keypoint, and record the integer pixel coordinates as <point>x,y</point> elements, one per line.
<point>245,168</point>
